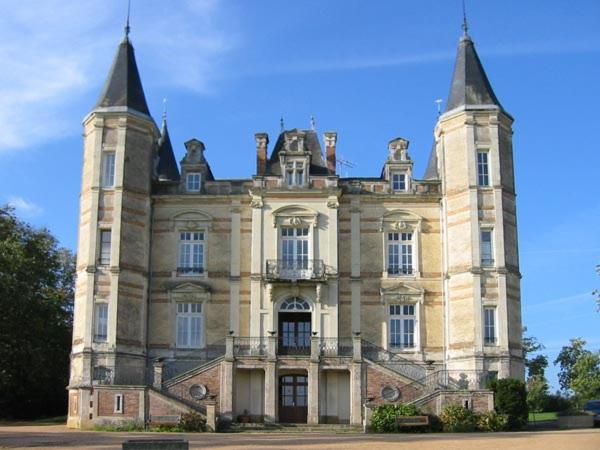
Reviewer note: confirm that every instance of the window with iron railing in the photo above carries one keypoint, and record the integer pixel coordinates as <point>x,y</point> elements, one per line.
<point>402,326</point>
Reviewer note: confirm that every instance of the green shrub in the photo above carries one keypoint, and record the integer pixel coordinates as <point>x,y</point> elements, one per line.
<point>456,418</point>
<point>130,425</point>
<point>384,417</point>
<point>192,421</point>
<point>492,421</point>
<point>510,397</point>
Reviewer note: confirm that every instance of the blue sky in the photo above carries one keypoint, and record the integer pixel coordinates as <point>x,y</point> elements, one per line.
<point>370,70</point>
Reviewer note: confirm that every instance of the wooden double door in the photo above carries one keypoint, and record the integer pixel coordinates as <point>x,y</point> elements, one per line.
<point>293,398</point>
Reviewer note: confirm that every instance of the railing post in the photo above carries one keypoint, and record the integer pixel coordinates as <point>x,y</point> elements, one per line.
<point>158,374</point>
<point>356,348</point>
<point>315,349</point>
<point>272,348</point>
<point>229,348</point>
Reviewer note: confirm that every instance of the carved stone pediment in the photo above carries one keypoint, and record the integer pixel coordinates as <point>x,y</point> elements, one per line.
<point>400,220</point>
<point>189,291</point>
<point>402,293</point>
<point>295,216</point>
<point>192,220</point>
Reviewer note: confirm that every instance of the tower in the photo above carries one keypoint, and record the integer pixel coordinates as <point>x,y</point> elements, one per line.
<point>473,158</point>
<point>120,142</point>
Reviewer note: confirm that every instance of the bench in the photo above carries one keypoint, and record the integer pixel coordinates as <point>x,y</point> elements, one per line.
<point>156,444</point>
<point>412,421</point>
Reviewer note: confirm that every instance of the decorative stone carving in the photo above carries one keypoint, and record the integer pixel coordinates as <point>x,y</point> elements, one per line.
<point>333,203</point>
<point>256,202</point>
<point>319,292</point>
<point>295,216</point>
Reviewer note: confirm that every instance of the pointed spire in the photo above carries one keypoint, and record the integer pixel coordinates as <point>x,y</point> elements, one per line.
<point>167,165</point>
<point>470,85</point>
<point>127,28</point>
<point>123,86</point>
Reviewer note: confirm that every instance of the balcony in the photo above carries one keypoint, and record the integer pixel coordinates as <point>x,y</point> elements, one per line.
<point>308,346</point>
<point>299,269</point>
<point>190,271</point>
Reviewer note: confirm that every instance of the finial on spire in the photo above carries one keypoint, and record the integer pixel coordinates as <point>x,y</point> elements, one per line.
<point>465,25</point>
<point>164,116</point>
<point>313,124</point>
<point>281,124</point>
<point>127,28</point>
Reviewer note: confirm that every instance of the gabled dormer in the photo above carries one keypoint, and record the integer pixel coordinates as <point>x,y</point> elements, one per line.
<point>398,167</point>
<point>195,170</point>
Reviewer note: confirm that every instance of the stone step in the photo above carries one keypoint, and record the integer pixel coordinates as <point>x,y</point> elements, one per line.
<point>292,428</point>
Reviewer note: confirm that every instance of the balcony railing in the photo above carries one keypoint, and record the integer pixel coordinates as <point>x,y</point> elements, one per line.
<point>296,346</point>
<point>249,346</point>
<point>190,270</point>
<point>331,347</point>
<point>295,269</point>
<point>395,270</point>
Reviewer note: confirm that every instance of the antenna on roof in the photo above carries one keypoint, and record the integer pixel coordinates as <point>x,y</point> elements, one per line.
<point>313,124</point>
<point>344,164</point>
<point>439,105</point>
<point>465,25</point>
<point>281,124</point>
<point>127,28</point>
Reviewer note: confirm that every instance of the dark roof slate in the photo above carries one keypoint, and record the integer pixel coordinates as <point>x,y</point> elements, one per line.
<point>470,85</point>
<point>311,144</point>
<point>123,86</point>
<point>431,172</point>
<point>167,165</point>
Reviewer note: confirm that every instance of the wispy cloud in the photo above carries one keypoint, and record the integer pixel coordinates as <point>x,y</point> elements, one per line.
<point>25,208</point>
<point>54,53</point>
<point>558,301</point>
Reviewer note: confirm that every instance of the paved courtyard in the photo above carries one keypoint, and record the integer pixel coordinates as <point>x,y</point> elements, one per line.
<point>59,437</point>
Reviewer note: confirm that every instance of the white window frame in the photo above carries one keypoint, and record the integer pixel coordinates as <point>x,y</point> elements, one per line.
<point>190,311</point>
<point>101,322</point>
<point>484,178</point>
<point>490,339</point>
<point>404,244</point>
<point>190,180</point>
<point>107,173</point>
<point>398,187</point>
<point>486,262</point>
<point>403,322</point>
<point>104,252</point>
<point>295,172</point>
<point>189,265</point>
<point>119,406</point>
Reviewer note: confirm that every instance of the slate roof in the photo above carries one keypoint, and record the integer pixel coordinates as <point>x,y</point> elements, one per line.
<point>167,165</point>
<point>311,144</point>
<point>470,85</point>
<point>123,86</point>
<point>431,173</point>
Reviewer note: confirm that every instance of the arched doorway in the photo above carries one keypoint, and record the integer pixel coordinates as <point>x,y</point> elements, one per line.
<point>294,327</point>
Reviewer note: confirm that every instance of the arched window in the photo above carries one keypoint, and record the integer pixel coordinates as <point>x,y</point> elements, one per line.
<point>294,304</point>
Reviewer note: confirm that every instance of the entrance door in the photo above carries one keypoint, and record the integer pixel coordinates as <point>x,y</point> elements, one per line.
<point>294,333</point>
<point>293,398</point>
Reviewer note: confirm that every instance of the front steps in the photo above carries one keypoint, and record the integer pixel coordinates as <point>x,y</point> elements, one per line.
<point>292,428</point>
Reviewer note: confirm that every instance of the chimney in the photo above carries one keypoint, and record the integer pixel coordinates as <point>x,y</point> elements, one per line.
<point>330,142</point>
<point>262,140</point>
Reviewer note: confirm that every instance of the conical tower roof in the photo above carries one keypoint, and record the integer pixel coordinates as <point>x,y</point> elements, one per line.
<point>167,165</point>
<point>470,85</point>
<point>123,86</point>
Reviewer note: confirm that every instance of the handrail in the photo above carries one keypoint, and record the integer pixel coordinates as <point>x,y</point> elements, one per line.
<point>445,380</point>
<point>392,361</point>
<point>193,358</point>
<point>295,269</point>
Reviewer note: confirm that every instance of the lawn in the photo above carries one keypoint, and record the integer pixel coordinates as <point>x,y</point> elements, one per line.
<point>538,417</point>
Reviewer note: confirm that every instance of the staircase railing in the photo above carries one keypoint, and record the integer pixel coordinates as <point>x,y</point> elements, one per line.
<point>445,380</point>
<point>192,359</point>
<point>392,361</point>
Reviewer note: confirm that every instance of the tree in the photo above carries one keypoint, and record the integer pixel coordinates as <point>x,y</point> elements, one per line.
<point>537,393</point>
<point>36,300</point>
<point>535,365</point>
<point>567,357</point>
<point>510,397</point>
<point>585,377</point>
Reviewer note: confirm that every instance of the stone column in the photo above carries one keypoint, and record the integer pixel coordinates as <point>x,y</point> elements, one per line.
<point>355,281</point>
<point>356,348</point>
<point>270,393</point>
<point>226,400</point>
<point>356,394</point>
<point>158,375</point>
<point>313,393</point>
<point>211,417</point>
<point>256,263</point>
<point>234,269</point>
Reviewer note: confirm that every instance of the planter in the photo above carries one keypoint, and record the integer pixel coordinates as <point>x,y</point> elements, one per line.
<point>576,421</point>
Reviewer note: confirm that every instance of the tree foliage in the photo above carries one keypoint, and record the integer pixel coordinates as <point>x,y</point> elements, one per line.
<point>36,300</point>
<point>510,396</point>
<point>567,357</point>
<point>537,393</point>
<point>585,377</point>
<point>535,365</point>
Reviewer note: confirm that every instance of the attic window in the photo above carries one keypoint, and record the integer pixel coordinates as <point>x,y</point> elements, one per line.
<point>398,181</point>
<point>294,173</point>
<point>192,182</point>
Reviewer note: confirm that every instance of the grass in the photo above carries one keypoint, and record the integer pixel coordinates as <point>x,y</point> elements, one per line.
<point>538,417</point>
<point>58,420</point>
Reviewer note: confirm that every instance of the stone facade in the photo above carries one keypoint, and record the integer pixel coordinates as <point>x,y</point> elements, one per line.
<point>294,294</point>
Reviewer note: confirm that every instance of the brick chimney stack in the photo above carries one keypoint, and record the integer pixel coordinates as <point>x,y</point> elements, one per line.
<point>330,142</point>
<point>262,141</point>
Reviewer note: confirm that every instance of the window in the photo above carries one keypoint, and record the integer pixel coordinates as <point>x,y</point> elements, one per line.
<point>189,325</point>
<point>118,403</point>
<point>400,253</point>
<point>191,253</point>
<point>294,173</point>
<point>108,169</point>
<point>100,322</point>
<point>102,375</point>
<point>105,239</point>
<point>483,170</point>
<point>402,326</point>
<point>192,182</point>
<point>294,248</point>
<point>489,326</point>
<point>398,181</point>
<point>487,255</point>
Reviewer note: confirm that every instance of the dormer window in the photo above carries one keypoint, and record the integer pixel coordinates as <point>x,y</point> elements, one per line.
<point>294,173</point>
<point>192,182</point>
<point>398,182</point>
